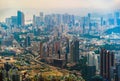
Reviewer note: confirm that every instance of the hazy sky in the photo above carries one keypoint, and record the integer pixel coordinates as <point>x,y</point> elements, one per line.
<point>7,6</point>
<point>48,4</point>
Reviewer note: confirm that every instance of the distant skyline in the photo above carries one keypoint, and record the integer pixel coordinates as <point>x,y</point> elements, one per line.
<point>8,7</point>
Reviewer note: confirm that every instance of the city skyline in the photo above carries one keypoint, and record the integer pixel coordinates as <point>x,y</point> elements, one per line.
<point>60,42</point>
<point>8,8</point>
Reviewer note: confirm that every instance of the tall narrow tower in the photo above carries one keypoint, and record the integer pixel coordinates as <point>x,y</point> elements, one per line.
<point>20,18</point>
<point>106,62</point>
<point>75,51</point>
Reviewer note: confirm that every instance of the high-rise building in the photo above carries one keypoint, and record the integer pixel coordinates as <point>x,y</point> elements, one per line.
<point>89,22</point>
<point>0,46</point>
<point>92,59</point>
<point>118,21</point>
<point>72,20</point>
<point>106,63</point>
<point>41,49</point>
<point>41,18</point>
<point>83,24</point>
<point>111,21</point>
<point>101,21</point>
<point>50,50</point>
<point>74,51</point>
<point>67,49</point>
<point>8,21</point>
<point>92,64</point>
<point>27,41</point>
<point>36,21</point>
<point>118,72</point>
<point>58,19</point>
<point>57,48</point>
<point>20,18</point>
<point>116,17</point>
<point>117,14</point>
<point>14,20</point>
<point>65,18</point>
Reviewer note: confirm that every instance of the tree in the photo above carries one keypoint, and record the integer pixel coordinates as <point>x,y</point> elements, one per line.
<point>97,78</point>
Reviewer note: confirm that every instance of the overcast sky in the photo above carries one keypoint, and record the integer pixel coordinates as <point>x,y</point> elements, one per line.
<point>48,4</point>
<point>54,4</point>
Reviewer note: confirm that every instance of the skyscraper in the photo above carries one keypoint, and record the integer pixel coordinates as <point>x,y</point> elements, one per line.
<point>0,46</point>
<point>67,49</point>
<point>14,20</point>
<point>75,51</point>
<point>89,22</point>
<point>106,63</point>
<point>41,18</point>
<point>20,18</point>
<point>101,21</point>
<point>41,49</point>
<point>8,21</point>
<point>27,41</point>
<point>118,72</point>
<point>34,20</point>
<point>57,49</point>
<point>92,64</point>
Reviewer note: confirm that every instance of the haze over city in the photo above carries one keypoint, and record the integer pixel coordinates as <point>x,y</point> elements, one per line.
<point>30,7</point>
<point>59,40</point>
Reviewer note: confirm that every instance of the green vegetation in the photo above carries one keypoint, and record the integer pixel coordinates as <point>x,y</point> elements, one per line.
<point>111,46</point>
<point>97,78</point>
<point>8,53</point>
<point>71,77</point>
<point>90,36</point>
<point>82,67</point>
